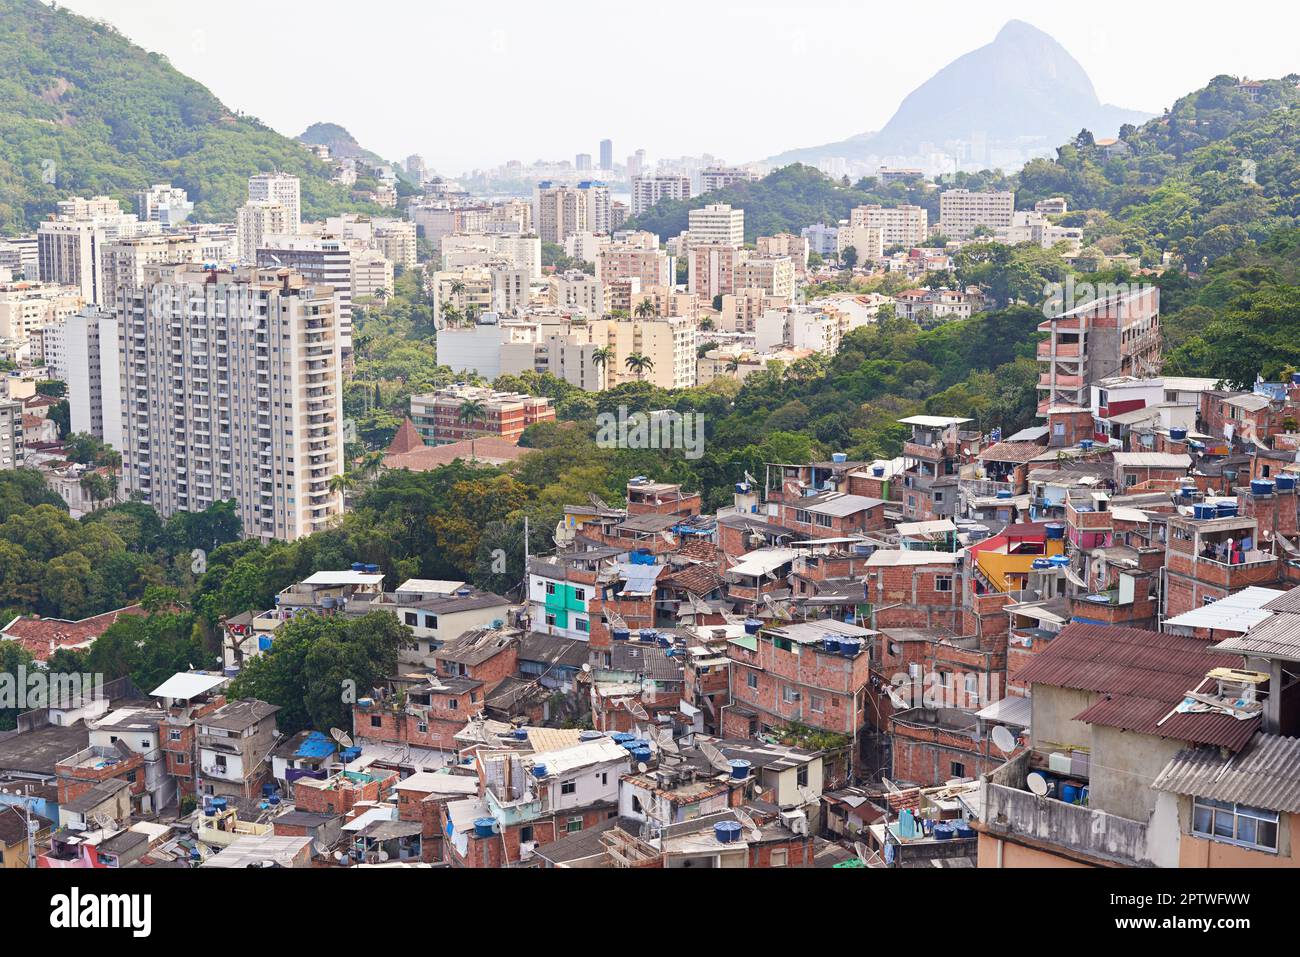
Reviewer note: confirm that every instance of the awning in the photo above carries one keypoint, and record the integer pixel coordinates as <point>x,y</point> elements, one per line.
<point>1013,710</point>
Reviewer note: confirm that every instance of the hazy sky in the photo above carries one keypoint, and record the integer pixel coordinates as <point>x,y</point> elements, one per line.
<point>473,84</point>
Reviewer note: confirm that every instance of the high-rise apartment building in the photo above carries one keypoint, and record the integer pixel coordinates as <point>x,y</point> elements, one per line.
<point>278,188</point>
<point>323,262</point>
<point>961,212</point>
<point>123,262</point>
<point>560,211</point>
<point>90,341</point>
<point>395,238</point>
<point>713,268</point>
<point>649,188</point>
<point>898,225</point>
<point>255,220</point>
<point>606,154</point>
<point>652,267</point>
<point>598,207</point>
<point>232,389</point>
<point>717,223</point>
<point>11,435</point>
<point>720,177</point>
<point>582,162</point>
<point>772,274</point>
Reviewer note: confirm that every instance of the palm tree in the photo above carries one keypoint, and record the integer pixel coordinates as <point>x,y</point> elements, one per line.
<point>341,484</point>
<point>602,356</point>
<point>733,365</point>
<point>471,411</point>
<point>645,309</point>
<point>639,364</point>
<point>450,314</point>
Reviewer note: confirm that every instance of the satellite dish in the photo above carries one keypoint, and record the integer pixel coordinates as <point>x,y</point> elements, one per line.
<point>641,767</point>
<point>338,856</point>
<point>320,848</point>
<point>1037,783</point>
<point>755,833</point>
<point>758,790</point>
<point>715,757</point>
<point>383,856</point>
<point>1003,739</point>
<point>341,737</point>
<point>586,669</point>
<point>666,742</point>
<point>861,850</point>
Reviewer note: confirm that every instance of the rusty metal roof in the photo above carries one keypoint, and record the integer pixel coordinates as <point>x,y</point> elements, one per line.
<point>1265,774</point>
<point>1140,676</point>
<point>1288,602</point>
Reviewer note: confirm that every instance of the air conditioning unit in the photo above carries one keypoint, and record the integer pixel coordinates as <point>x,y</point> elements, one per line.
<point>796,821</point>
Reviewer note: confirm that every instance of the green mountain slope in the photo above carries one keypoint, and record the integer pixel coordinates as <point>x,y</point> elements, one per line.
<point>86,111</point>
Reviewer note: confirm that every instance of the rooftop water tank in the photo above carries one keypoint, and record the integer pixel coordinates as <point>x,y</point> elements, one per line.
<point>1225,510</point>
<point>1055,530</point>
<point>520,734</point>
<point>484,826</point>
<point>1042,563</point>
<point>839,458</point>
<point>878,471</point>
<point>1187,491</point>
<point>943,832</point>
<point>539,770</point>
<point>665,640</point>
<point>1005,493</point>
<point>752,626</point>
<point>621,634</point>
<point>1203,511</point>
<point>647,635</point>
<point>1261,487</point>
<point>850,647</point>
<point>591,735</point>
<point>273,800</point>
<point>1178,435</point>
<point>832,644</point>
<point>358,566</point>
<point>372,569</point>
<point>726,832</point>
<point>1285,482</point>
<point>1086,444</point>
<point>740,769</point>
<point>464,592</point>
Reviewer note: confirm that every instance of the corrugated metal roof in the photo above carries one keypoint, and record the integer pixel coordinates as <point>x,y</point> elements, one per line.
<point>1278,637</point>
<point>1166,460</point>
<point>1265,774</point>
<point>1141,676</point>
<point>1239,612</point>
<point>1289,602</point>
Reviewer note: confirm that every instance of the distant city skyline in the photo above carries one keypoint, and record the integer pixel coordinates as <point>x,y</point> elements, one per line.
<point>428,76</point>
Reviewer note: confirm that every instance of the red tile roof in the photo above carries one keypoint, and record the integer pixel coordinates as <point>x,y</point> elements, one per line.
<point>42,636</point>
<point>407,439</point>
<point>1140,676</point>
<point>488,450</point>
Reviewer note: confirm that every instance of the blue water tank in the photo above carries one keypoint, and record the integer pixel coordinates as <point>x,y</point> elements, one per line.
<point>850,647</point>
<point>1070,793</point>
<point>1042,563</point>
<point>726,832</point>
<point>943,832</point>
<point>752,626</point>
<point>1178,435</point>
<point>878,471</point>
<point>1055,530</point>
<point>647,635</point>
<point>1225,510</point>
<point>520,734</point>
<point>591,735</point>
<point>964,830</point>
<point>273,800</point>
<point>358,566</point>
<point>832,644</point>
<point>1285,483</point>
<point>268,790</point>
<point>839,458</point>
<point>1261,487</point>
<point>642,755</point>
<point>622,634</point>
<point>1005,493</point>
<point>665,640</point>
<point>484,826</point>
<point>372,569</point>
<point>539,770</point>
<point>740,769</point>
<point>1086,444</point>
<point>1203,511</point>
<point>1187,491</point>
<point>1059,561</point>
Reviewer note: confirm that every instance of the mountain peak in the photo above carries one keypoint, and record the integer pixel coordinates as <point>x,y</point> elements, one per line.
<point>1018,31</point>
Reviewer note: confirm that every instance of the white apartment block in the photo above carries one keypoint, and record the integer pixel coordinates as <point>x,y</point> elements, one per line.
<point>372,273</point>
<point>248,407</point>
<point>94,375</point>
<point>522,252</point>
<point>649,188</point>
<point>26,307</point>
<point>123,262</point>
<point>11,435</point>
<point>396,240</point>
<point>717,223</point>
<point>786,244</point>
<point>899,225</point>
<point>69,247</point>
<point>720,177</point>
<point>1036,228</point>
<point>599,207</point>
<point>575,291</point>
<point>164,204</point>
<point>961,212</point>
<point>256,220</point>
<point>585,246</point>
<point>322,262</point>
<point>281,189</point>
<point>867,241</point>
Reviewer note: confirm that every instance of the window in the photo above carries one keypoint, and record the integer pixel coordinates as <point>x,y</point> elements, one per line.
<point>816,704</point>
<point>802,517</point>
<point>583,625</point>
<point>182,757</point>
<point>173,735</point>
<point>526,834</point>
<point>1235,824</point>
<point>412,619</point>
<point>779,857</point>
<point>789,695</point>
<point>573,825</point>
<point>958,769</point>
<point>430,621</point>
<point>751,680</point>
<point>421,727</point>
<point>580,594</point>
<point>550,588</point>
<point>569,787</point>
<point>801,776</point>
<point>376,721</point>
<point>550,620</point>
<point>943,583</point>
